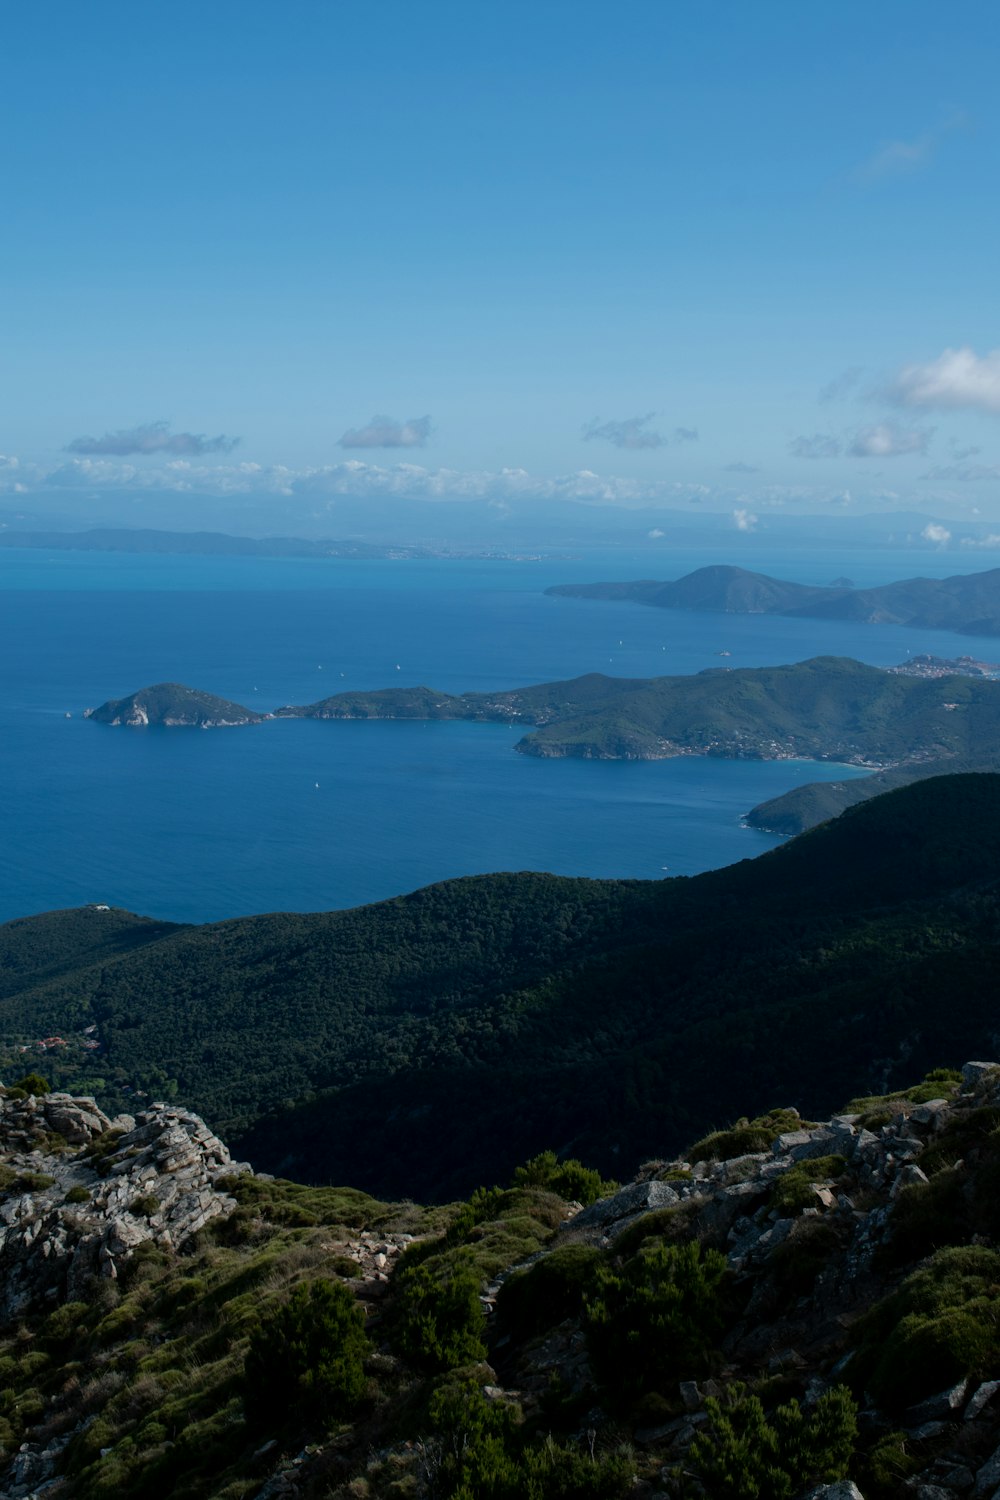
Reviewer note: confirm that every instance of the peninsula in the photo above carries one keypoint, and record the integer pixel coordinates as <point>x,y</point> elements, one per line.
<point>828,708</point>
<point>966,603</point>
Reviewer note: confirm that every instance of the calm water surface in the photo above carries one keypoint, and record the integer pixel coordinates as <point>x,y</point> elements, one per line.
<point>302,815</point>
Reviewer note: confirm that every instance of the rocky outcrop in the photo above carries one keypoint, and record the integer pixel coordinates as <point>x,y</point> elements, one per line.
<point>81,1192</point>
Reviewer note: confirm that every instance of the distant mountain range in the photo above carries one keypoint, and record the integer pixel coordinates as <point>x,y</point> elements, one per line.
<point>967,603</point>
<point>434,1041</point>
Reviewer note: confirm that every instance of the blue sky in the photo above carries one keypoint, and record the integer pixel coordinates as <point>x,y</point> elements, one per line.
<point>654,252</point>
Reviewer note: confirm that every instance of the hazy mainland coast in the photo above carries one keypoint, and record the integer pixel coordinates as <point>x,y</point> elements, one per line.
<point>967,603</point>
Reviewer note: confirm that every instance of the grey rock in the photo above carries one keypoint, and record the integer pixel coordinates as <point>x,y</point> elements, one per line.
<point>908,1176</point>
<point>974,1072</point>
<point>987,1478</point>
<point>843,1489</point>
<point>51,1249</point>
<point>981,1399</point>
<point>785,1144</point>
<point>942,1406</point>
<point>924,1431</point>
<point>627,1204</point>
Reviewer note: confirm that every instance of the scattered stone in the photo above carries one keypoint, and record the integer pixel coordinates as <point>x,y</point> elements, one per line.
<point>844,1489</point>
<point>940,1407</point>
<point>981,1399</point>
<point>690,1395</point>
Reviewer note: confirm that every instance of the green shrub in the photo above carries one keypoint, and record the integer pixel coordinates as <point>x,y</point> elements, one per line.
<point>798,1260</point>
<point>658,1319</point>
<point>547,1292</point>
<point>570,1179</point>
<point>943,1323</point>
<point>793,1190</point>
<point>78,1194</point>
<point>34,1083</point>
<point>63,1325</point>
<point>33,1182</point>
<point>440,1319</point>
<point>884,1470</point>
<point>146,1206</point>
<point>745,1137</point>
<point>744,1455</point>
<point>674,1224</point>
<point>307,1358</point>
<point>483,1457</point>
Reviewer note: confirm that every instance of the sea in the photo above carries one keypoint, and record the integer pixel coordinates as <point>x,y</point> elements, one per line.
<point>193,826</point>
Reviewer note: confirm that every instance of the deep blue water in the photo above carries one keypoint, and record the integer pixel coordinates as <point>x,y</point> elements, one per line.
<point>196,825</point>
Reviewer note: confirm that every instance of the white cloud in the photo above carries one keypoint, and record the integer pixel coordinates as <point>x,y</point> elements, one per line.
<point>383,432</point>
<point>744,519</point>
<point>959,379</point>
<point>685,434</point>
<point>939,535</point>
<point>886,440</point>
<point>993,540</point>
<point>656,532</point>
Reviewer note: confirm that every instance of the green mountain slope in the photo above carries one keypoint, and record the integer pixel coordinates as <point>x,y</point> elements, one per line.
<point>427,1042</point>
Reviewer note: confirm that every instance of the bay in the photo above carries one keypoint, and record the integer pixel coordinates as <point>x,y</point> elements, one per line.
<point>196,826</point>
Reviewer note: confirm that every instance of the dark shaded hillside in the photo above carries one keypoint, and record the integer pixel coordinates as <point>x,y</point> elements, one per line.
<point>805,806</point>
<point>967,603</point>
<point>455,1031</point>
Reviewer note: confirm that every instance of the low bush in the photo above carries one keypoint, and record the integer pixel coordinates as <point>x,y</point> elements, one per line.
<point>33,1083</point>
<point>440,1323</point>
<point>569,1179</point>
<point>483,1455</point>
<point>942,1324</point>
<point>746,1455</point>
<point>746,1136</point>
<point>307,1358</point>
<point>656,1320</point>
<point>552,1289</point>
<point>793,1190</point>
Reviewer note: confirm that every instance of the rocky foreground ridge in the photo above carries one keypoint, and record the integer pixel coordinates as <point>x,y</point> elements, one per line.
<point>858,1252</point>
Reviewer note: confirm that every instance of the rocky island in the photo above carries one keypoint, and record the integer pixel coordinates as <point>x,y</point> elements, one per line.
<point>171,703</point>
<point>966,603</point>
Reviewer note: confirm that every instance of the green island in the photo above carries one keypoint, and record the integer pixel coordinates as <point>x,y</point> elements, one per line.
<point>967,603</point>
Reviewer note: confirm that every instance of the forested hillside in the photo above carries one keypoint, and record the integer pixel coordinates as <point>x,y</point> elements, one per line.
<point>426,1042</point>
